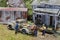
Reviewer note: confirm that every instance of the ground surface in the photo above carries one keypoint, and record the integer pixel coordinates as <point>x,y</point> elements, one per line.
<point>6,34</point>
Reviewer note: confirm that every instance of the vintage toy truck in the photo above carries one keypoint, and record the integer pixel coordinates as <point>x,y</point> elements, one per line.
<point>24,27</point>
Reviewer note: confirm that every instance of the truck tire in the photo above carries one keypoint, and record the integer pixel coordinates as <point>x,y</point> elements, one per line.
<point>23,31</point>
<point>9,27</point>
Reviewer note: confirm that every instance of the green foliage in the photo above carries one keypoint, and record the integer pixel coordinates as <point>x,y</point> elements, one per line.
<point>28,5</point>
<point>3,3</point>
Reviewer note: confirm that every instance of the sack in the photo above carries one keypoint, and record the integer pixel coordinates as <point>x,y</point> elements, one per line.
<point>41,28</point>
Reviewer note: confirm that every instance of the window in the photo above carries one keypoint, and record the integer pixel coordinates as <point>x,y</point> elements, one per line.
<point>39,16</point>
<point>50,6</point>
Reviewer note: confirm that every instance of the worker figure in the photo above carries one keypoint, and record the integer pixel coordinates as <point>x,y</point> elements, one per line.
<point>43,31</point>
<point>16,27</point>
<point>35,31</point>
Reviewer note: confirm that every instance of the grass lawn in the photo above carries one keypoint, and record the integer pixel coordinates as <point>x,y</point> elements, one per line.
<point>6,34</point>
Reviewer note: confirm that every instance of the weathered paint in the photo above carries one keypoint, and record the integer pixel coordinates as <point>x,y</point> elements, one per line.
<point>11,15</point>
<point>14,3</point>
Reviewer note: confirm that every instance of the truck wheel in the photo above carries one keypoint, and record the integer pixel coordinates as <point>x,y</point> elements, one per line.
<point>9,27</point>
<point>23,31</point>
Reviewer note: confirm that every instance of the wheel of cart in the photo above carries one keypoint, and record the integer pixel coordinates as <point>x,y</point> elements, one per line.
<point>23,31</point>
<point>9,27</point>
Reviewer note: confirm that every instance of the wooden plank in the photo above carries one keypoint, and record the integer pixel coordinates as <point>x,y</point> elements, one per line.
<point>12,9</point>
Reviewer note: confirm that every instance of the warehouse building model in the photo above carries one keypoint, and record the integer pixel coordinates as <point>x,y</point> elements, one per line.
<point>15,10</point>
<point>46,12</point>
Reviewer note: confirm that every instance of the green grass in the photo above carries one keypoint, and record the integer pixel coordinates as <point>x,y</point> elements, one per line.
<point>6,34</point>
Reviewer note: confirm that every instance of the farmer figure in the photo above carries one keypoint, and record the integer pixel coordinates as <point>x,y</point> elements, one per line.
<point>16,27</point>
<point>43,31</point>
<point>35,31</point>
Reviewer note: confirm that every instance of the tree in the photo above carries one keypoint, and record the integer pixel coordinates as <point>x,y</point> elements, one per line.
<point>28,5</point>
<point>3,3</point>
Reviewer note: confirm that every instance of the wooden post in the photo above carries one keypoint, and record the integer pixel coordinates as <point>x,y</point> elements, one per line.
<point>34,18</point>
<point>12,15</point>
<point>4,16</point>
<point>55,22</point>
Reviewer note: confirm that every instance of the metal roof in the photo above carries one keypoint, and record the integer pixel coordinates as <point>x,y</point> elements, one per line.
<point>12,9</point>
<point>16,3</point>
<point>47,10</point>
<point>52,2</point>
<point>35,2</point>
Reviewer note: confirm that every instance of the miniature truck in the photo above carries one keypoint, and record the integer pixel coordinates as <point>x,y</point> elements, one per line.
<point>24,27</point>
<point>11,25</point>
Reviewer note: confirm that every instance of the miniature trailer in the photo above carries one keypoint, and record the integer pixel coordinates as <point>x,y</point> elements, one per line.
<point>8,14</point>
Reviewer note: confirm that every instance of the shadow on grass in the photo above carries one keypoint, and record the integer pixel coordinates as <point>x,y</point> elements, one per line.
<point>31,35</point>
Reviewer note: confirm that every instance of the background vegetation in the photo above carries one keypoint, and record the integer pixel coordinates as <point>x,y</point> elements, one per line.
<point>3,3</point>
<point>29,6</point>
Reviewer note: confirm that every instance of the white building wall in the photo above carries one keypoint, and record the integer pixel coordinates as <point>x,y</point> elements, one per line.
<point>34,6</point>
<point>12,15</point>
<point>17,14</point>
<point>33,18</point>
<point>2,18</point>
<point>8,14</point>
<point>47,19</point>
<point>43,19</point>
<point>52,1</point>
<point>3,15</point>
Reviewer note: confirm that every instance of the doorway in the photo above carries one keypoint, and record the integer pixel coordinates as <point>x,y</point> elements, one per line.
<point>51,20</point>
<point>38,20</point>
